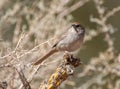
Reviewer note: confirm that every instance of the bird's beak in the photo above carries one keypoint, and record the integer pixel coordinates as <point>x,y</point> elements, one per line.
<point>74,28</point>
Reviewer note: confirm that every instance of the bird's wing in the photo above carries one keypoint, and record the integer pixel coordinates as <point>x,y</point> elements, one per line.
<point>60,38</point>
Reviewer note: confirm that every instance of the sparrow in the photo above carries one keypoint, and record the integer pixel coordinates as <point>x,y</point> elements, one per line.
<point>71,41</point>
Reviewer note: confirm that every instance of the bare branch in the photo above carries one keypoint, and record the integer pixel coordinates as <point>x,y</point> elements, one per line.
<point>26,84</point>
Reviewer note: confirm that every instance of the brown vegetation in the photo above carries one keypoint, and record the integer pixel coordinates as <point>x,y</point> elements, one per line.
<point>28,28</point>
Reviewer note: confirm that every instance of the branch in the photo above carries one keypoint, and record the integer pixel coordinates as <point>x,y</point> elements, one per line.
<point>73,8</point>
<point>64,70</point>
<point>112,12</point>
<point>23,79</point>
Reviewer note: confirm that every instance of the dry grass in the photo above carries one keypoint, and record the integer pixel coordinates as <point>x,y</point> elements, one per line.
<point>29,28</point>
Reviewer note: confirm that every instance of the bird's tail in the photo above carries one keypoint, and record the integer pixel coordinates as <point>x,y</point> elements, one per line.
<point>52,51</point>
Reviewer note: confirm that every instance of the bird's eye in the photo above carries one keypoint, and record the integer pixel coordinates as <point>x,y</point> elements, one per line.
<point>77,25</point>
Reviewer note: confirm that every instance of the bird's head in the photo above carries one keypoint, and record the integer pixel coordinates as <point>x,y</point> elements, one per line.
<point>78,28</point>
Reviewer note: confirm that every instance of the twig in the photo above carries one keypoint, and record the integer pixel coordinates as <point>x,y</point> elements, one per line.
<point>23,78</point>
<point>34,48</point>
<point>73,8</point>
<point>19,41</point>
<point>112,12</point>
<point>32,75</point>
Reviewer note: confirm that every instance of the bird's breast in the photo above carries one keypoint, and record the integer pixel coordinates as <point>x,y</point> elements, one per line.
<point>70,43</point>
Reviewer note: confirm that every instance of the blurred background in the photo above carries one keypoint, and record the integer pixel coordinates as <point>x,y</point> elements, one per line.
<point>28,29</point>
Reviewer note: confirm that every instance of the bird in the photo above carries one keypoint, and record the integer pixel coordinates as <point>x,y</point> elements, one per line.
<point>69,42</point>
